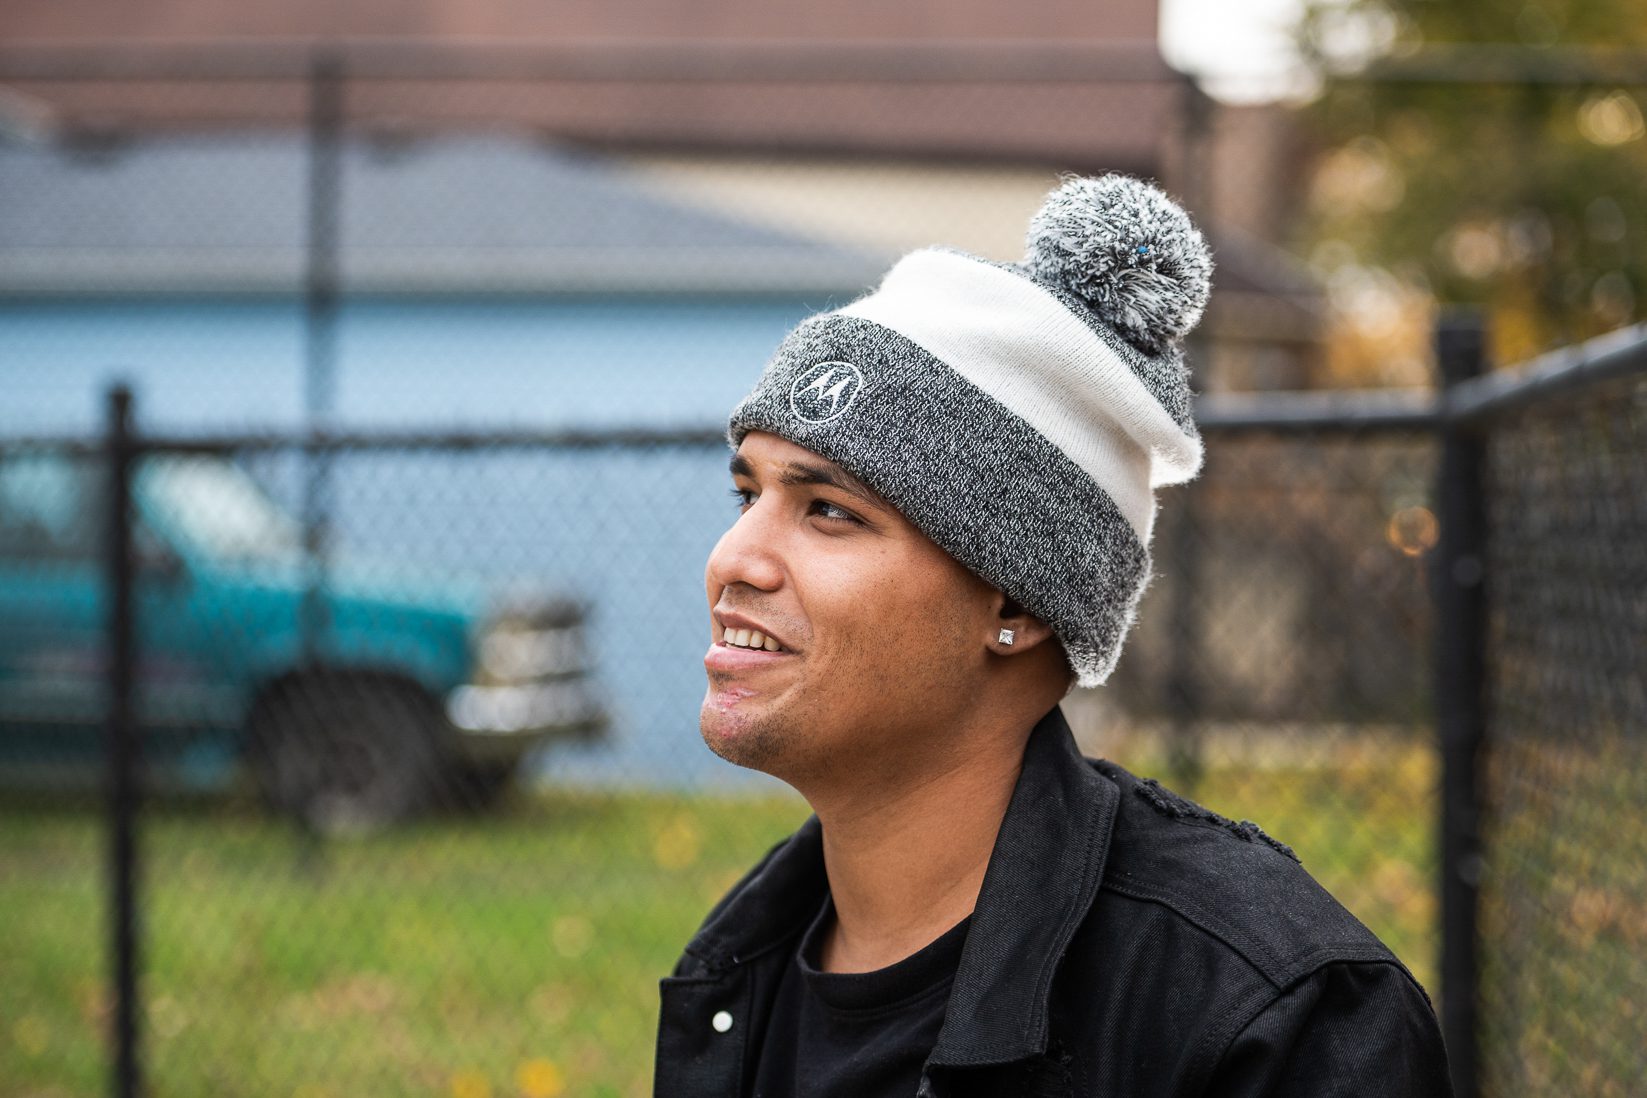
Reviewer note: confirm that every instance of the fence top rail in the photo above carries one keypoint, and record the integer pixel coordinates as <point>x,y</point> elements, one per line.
<point>1318,410</point>
<point>1566,370</point>
<point>1325,410</point>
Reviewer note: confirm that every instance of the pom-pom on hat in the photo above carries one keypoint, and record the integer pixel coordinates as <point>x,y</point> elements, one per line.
<point>1020,415</point>
<point>1127,250</point>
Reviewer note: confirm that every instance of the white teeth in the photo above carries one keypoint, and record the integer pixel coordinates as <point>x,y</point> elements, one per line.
<point>751,638</point>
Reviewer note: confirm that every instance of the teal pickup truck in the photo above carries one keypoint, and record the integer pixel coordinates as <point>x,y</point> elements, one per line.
<point>365,703</point>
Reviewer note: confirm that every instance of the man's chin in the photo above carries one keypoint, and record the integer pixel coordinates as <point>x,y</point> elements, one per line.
<point>741,738</point>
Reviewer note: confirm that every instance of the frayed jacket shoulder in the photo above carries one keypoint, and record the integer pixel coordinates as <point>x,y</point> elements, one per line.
<point>1126,942</point>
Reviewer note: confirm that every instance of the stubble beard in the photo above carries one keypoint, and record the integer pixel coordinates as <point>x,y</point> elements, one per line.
<point>752,741</point>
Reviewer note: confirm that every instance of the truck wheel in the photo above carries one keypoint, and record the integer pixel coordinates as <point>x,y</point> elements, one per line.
<point>345,755</point>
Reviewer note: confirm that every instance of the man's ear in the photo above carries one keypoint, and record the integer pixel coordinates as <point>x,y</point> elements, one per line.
<point>1026,631</point>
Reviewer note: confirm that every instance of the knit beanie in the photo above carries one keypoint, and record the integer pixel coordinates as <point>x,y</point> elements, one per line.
<point>1018,414</point>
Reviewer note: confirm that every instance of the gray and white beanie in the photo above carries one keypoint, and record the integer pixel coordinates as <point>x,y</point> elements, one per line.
<point>1019,415</point>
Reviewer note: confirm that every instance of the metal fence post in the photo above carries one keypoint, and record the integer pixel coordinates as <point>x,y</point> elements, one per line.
<point>1458,583</point>
<point>320,326</point>
<point>122,741</point>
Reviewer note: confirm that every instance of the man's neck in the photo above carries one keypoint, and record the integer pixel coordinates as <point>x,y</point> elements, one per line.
<point>906,865</point>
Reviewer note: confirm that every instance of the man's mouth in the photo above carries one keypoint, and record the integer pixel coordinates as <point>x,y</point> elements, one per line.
<point>738,648</point>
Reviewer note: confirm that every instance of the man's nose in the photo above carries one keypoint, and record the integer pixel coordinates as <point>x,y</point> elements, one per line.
<point>747,553</point>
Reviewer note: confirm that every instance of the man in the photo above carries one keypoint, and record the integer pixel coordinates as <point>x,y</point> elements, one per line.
<point>946,504</point>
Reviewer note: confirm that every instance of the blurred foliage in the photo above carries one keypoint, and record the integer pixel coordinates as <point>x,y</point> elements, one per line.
<point>1526,198</point>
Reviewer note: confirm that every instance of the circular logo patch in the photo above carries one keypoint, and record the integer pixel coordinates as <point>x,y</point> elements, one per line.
<point>825,391</point>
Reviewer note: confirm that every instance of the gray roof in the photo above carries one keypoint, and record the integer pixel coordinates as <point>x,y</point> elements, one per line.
<point>488,213</point>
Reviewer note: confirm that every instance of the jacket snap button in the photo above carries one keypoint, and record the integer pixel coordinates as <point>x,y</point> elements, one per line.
<point>722,1021</point>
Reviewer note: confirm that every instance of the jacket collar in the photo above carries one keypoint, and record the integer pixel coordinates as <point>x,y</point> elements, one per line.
<point>1042,876</point>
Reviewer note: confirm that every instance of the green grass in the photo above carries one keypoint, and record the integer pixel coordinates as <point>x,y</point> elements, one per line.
<point>508,955</point>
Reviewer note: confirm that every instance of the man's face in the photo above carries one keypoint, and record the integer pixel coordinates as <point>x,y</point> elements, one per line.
<point>883,634</point>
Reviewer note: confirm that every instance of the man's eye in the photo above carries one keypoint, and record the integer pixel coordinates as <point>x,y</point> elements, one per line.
<point>829,510</point>
<point>746,498</point>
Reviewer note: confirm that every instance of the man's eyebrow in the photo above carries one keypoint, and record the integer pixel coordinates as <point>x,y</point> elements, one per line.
<point>797,473</point>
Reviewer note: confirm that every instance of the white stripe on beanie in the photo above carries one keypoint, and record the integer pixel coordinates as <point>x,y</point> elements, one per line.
<point>1017,342</point>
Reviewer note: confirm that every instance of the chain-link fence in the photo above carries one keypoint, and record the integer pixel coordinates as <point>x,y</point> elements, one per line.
<point>1564,898</point>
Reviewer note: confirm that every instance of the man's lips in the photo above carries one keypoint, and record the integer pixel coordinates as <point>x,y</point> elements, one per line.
<point>729,657</point>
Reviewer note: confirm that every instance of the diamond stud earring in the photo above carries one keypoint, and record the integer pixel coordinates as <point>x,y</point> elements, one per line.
<point>1006,636</point>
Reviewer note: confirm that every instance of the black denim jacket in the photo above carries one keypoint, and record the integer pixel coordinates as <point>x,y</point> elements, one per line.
<point>1126,942</point>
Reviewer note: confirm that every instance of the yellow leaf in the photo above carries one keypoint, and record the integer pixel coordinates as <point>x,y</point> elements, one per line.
<point>540,1079</point>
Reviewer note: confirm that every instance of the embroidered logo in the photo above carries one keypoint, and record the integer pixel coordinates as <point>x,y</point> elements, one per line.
<point>825,391</point>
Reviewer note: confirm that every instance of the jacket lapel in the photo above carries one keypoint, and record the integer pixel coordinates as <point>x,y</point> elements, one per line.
<point>1042,876</point>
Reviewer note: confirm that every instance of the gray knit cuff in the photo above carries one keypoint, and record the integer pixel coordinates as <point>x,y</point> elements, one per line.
<point>973,476</point>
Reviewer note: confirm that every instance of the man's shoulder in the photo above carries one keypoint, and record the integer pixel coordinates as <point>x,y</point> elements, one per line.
<point>1187,869</point>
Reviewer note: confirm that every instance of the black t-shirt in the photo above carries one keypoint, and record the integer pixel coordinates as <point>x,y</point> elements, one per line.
<point>855,1034</point>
